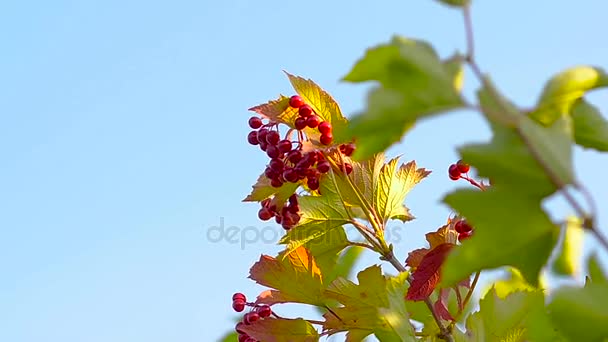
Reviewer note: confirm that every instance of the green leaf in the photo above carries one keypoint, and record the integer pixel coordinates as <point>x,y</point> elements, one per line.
<point>263,190</point>
<point>581,313</point>
<point>322,103</point>
<point>515,232</point>
<point>455,3</point>
<point>564,89</point>
<point>295,277</point>
<point>282,330</point>
<point>496,107</point>
<point>590,127</point>
<point>596,273</point>
<point>230,337</point>
<point>568,260</point>
<point>414,84</point>
<point>393,185</point>
<point>319,215</point>
<point>346,262</point>
<point>514,282</point>
<point>326,250</point>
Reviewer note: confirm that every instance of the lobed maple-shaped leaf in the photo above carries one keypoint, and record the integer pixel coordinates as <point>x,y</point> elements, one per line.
<point>278,111</point>
<point>281,330</point>
<point>394,183</point>
<point>415,83</point>
<point>427,275</point>
<point>295,277</point>
<point>443,235</point>
<point>263,190</point>
<point>515,233</point>
<point>374,306</point>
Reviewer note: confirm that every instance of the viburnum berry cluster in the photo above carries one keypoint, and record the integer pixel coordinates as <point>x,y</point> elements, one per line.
<point>294,161</point>
<point>239,301</point>
<point>455,171</point>
<point>464,229</point>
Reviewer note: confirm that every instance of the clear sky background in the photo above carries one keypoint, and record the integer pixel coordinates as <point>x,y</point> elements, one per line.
<point>122,141</point>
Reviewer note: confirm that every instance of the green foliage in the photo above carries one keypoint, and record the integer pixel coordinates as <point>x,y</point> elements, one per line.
<point>567,262</point>
<point>590,127</point>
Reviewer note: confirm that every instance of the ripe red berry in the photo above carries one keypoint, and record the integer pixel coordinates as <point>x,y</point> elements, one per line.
<point>255,122</point>
<point>313,121</point>
<point>293,208</point>
<point>462,226</point>
<point>270,173</point>
<point>293,199</point>
<point>453,172</point>
<point>465,235</point>
<point>243,337</point>
<point>291,175</point>
<point>276,183</point>
<point>264,214</point>
<point>294,156</point>
<point>347,149</point>
<point>300,123</point>
<point>284,146</point>
<point>346,167</point>
<point>305,111</point>
<point>272,151</point>
<point>262,135</point>
<point>313,183</point>
<point>278,219</point>
<point>263,145</point>
<point>324,127</point>
<point>252,138</point>
<point>273,137</point>
<point>296,101</point>
<point>239,296</point>
<point>323,166</point>
<point>250,317</point>
<point>238,305</point>
<point>276,165</point>
<point>264,311</point>
<point>326,138</point>
<point>462,166</point>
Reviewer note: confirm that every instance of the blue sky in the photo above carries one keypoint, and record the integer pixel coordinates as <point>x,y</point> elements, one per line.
<point>122,141</point>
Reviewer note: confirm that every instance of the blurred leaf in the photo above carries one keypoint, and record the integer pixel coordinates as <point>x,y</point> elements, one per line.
<point>596,273</point>
<point>414,84</point>
<point>514,282</point>
<point>568,260</point>
<point>455,3</point>
<point>282,330</point>
<point>496,107</point>
<point>230,337</point>
<point>590,127</point>
<point>515,233</point>
<point>564,89</point>
<point>326,250</point>
<point>581,313</point>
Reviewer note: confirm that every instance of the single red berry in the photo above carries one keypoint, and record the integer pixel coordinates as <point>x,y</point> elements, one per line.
<point>271,173</point>
<point>278,219</point>
<point>264,311</point>
<point>284,146</point>
<point>252,138</point>
<point>273,137</point>
<point>243,337</point>
<point>293,199</point>
<point>262,132</point>
<point>305,111</point>
<point>347,167</point>
<point>347,149</point>
<point>291,175</point>
<point>312,173</point>
<point>311,157</point>
<point>324,127</point>
<point>250,317</point>
<point>263,146</point>
<point>323,166</point>
<point>300,123</point>
<point>462,166</point>
<point>276,183</point>
<point>465,235</point>
<point>238,305</point>
<point>453,172</point>
<point>264,214</point>
<point>313,183</point>
<point>255,122</point>
<point>313,121</point>
<point>294,156</point>
<point>462,226</point>
<point>296,101</point>
<point>239,296</point>
<point>326,138</point>
<point>276,165</point>
<point>294,208</point>
<point>272,151</point>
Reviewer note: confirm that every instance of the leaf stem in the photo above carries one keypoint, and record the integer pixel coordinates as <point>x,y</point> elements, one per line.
<point>467,298</point>
<point>362,244</point>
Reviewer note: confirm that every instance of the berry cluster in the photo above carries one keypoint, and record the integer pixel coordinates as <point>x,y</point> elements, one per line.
<point>287,217</point>
<point>455,171</point>
<point>464,230</point>
<point>308,118</point>
<point>239,301</point>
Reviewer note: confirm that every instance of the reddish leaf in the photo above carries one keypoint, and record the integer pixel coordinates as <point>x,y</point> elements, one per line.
<point>440,307</point>
<point>415,257</point>
<point>443,235</point>
<point>426,275</point>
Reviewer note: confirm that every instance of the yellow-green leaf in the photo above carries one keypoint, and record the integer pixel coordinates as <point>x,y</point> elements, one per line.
<point>568,260</point>
<point>590,127</point>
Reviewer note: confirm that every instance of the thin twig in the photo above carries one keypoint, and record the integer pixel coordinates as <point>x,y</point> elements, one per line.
<point>362,244</point>
<point>467,298</point>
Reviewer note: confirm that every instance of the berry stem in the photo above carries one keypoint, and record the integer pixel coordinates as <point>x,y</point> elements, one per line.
<point>473,182</point>
<point>467,298</point>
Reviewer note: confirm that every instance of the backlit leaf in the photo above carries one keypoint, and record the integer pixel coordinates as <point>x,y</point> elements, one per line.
<point>568,260</point>
<point>277,110</point>
<point>590,127</point>
<point>427,275</point>
<point>263,190</point>
<point>282,330</point>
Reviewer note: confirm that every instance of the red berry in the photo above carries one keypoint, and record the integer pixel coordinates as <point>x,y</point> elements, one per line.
<point>326,138</point>
<point>263,146</point>
<point>278,219</point>
<point>305,111</point>
<point>324,127</point>
<point>262,135</point>
<point>239,328</point>
<point>264,311</point>
<point>252,138</point>
<point>346,167</point>
<point>347,149</point>
<point>300,123</point>
<point>323,166</point>
<point>276,165</point>
<point>271,173</point>
<point>293,199</point>
<point>276,183</point>
<point>238,305</point>
<point>313,121</point>
<point>294,156</point>
<point>291,175</point>
<point>273,137</point>
<point>464,235</point>
<point>296,101</point>
<point>462,166</point>
<point>272,151</point>
<point>255,122</point>
<point>239,296</point>
<point>250,317</point>
<point>284,146</point>
<point>293,208</point>
<point>243,337</point>
<point>453,172</point>
<point>462,226</point>
<point>313,183</point>
<point>264,214</point>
